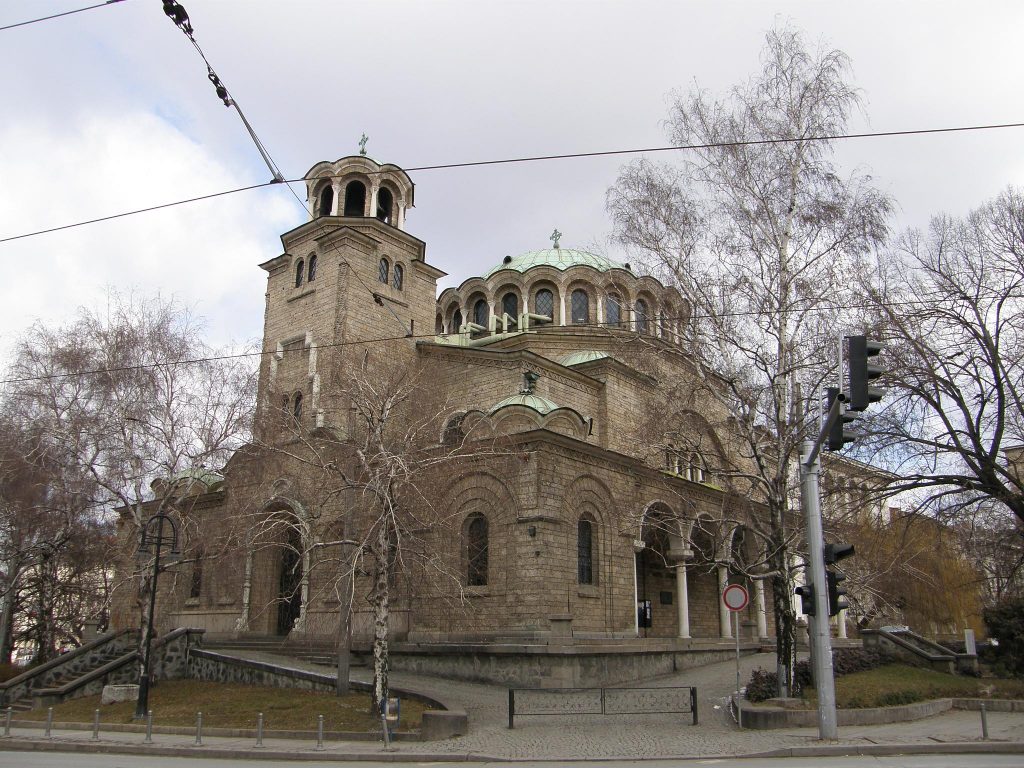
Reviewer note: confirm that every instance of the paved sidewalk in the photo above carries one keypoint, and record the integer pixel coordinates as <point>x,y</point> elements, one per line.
<point>577,736</point>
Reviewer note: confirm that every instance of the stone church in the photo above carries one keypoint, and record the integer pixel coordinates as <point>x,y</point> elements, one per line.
<point>590,501</point>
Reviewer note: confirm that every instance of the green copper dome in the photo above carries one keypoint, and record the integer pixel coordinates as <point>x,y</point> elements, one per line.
<point>559,258</point>
<point>540,404</point>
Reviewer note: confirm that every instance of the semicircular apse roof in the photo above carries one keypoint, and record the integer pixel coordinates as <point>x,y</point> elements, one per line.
<point>559,258</point>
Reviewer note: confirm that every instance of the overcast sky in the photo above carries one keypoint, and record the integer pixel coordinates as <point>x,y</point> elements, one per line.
<point>110,110</point>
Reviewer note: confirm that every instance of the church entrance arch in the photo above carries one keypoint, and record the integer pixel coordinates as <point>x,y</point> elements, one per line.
<point>656,593</point>
<point>290,580</point>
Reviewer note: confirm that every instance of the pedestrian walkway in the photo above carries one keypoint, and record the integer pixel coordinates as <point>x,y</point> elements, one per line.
<point>595,736</point>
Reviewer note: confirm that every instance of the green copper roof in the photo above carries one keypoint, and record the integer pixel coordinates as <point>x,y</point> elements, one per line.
<point>577,358</point>
<point>559,258</point>
<point>540,404</point>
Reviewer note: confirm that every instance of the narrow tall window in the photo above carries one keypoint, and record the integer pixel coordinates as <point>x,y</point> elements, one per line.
<point>613,312</point>
<point>397,275</point>
<point>585,551</point>
<point>327,201</point>
<point>195,587</point>
<point>300,272</point>
<point>456,321</point>
<point>641,316</point>
<point>544,304</point>
<point>297,406</point>
<point>382,271</point>
<point>312,268</point>
<point>580,307</point>
<point>480,312</point>
<point>510,305</point>
<point>355,199</point>
<point>385,201</point>
<point>476,551</point>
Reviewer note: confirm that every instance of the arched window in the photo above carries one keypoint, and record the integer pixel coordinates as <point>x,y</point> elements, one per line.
<point>580,307</point>
<point>355,199</point>
<point>544,303</point>
<point>382,271</point>
<point>385,201</point>
<point>641,316</point>
<point>476,551</point>
<point>297,406</point>
<point>480,312</point>
<point>613,312</point>
<point>397,275</point>
<point>453,432</point>
<point>311,272</point>
<point>300,272</point>
<point>438,325</point>
<point>327,200</point>
<point>456,321</point>
<point>585,551</point>
<point>510,305</point>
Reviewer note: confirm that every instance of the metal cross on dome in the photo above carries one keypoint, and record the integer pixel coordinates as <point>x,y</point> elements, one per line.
<point>555,237</point>
<point>362,144</point>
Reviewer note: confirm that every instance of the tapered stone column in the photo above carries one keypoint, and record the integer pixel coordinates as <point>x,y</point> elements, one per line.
<point>762,614</point>
<point>682,596</point>
<point>723,612</point>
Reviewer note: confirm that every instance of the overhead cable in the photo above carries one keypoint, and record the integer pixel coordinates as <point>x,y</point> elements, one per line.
<point>537,158</point>
<point>58,15</point>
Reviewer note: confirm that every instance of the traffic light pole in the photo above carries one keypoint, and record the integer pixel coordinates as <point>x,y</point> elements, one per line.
<point>820,635</point>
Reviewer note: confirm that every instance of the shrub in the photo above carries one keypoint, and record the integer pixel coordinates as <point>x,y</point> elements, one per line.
<point>1005,623</point>
<point>846,661</point>
<point>763,685</point>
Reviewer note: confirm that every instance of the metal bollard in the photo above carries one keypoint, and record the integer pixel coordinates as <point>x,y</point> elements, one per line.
<point>49,722</point>
<point>199,729</point>
<point>984,722</point>
<point>319,732</point>
<point>259,730</point>
<point>7,721</point>
<point>149,727</point>
<point>96,725</point>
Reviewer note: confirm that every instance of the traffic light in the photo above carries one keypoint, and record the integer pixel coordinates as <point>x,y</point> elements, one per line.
<point>838,436</point>
<point>862,372</point>
<point>834,577</point>
<point>836,594</point>
<point>806,593</point>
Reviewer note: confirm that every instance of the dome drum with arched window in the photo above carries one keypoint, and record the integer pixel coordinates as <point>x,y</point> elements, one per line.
<point>359,186</point>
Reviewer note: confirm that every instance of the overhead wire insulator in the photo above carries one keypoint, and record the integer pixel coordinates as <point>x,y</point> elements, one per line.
<point>222,92</point>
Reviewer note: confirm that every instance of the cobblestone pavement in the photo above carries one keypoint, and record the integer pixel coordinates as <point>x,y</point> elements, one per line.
<point>654,735</point>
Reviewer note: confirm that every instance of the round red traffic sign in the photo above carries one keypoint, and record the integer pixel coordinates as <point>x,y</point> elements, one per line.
<point>735,597</point>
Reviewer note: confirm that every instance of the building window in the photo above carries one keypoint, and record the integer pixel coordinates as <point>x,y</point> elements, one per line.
<point>476,551</point>
<point>326,200</point>
<point>297,406</point>
<point>641,316</point>
<point>544,304</point>
<point>456,321</point>
<point>355,199</point>
<point>300,272</point>
<point>397,276</point>
<point>585,551</point>
<point>195,587</point>
<point>613,312</point>
<point>312,268</point>
<point>510,305</point>
<point>580,307</point>
<point>438,325</point>
<point>480,312</point>
<point>385,201</point>
<point>453,432</point>
<point>382,271</point>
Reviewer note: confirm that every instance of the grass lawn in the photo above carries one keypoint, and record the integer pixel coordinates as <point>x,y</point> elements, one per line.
<point>901,684</point>
<point>175,702</point>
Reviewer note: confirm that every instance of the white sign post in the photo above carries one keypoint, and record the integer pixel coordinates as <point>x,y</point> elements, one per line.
<point>736,598</point>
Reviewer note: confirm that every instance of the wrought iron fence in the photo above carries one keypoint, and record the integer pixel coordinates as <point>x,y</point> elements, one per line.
<point>601,701</point>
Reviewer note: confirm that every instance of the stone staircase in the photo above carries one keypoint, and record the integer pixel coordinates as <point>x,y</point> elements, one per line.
<point>322,653</point>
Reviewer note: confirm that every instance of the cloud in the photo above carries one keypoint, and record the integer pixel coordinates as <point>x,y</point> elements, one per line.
<point>206,254</point>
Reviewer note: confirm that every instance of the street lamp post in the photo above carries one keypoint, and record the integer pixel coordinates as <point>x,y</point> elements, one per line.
<point>152,543</point>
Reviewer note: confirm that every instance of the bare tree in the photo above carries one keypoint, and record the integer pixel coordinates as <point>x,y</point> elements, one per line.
<point>949,305</point>
<point>755,227</point>
<point>131,395</point>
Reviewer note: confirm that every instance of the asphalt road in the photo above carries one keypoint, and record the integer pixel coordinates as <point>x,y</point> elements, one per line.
<point>59,760</point>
